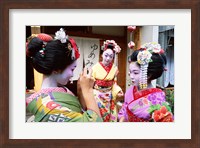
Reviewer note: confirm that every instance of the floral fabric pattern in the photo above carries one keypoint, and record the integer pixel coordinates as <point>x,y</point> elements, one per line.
<point>106,105</point>
<point>105,90</point>
<point>53,106</point>
<point>149,107</point>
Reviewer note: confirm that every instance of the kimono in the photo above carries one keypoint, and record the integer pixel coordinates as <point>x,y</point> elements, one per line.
<point>58,104</point>
<point>106,90</point>
<point>147,105</point>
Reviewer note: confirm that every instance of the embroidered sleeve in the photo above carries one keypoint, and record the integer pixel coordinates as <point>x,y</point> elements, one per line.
<point>47,110</point>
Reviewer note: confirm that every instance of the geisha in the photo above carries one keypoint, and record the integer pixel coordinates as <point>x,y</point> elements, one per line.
<point>56,59</point>
<point>143,102</point>
<point>106,89</point>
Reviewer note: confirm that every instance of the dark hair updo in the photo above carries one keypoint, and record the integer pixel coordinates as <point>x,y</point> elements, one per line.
<point>156,67</point>
<point>53,56</point>
<point>110,46</point>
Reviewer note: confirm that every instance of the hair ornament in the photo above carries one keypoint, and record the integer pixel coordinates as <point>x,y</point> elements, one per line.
<point>42,51</point>
<point>45,38</point>
<point>153,47</point>
<point>144,57</point>
<point>112,43</point>
<point>42,36</point>
<point>75,49</point>
<point>61,35</point>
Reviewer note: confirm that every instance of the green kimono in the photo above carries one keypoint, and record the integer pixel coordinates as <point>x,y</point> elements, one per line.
<point>55,106</point>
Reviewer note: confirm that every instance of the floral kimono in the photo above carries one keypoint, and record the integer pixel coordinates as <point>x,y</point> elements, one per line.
<point>58,104</point>
<point>106,90</point>
<point>147,105</point>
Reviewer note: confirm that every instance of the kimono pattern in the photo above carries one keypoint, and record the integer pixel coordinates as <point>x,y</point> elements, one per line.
<point>147,105</point>
<point>58,105</point>
<point>106,90</point>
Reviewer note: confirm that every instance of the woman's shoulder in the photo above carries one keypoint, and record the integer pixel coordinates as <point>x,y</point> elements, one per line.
<point>47,91</point>
<point>96,66</point>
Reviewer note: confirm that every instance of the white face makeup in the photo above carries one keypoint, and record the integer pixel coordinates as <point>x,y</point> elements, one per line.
<point>134,73</point>
<point>63,77</point>
<point>107,56</point>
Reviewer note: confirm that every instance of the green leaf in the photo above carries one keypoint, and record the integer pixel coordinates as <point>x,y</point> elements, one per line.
<point>152,108</point>
<point>167,106</point>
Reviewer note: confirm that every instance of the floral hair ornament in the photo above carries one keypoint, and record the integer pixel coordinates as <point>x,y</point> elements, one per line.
<point>75,49</point>
<point>144,57</point>
<point>108,43</point>
<point>61,35</point>
<point>72,46</point>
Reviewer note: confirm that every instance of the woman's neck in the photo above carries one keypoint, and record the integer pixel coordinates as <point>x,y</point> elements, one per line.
<point>48,81</point>
<point>150,85</point>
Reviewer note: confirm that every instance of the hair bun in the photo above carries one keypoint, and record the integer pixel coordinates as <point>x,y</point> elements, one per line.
<point>36,43</point>
<point>34,46</point>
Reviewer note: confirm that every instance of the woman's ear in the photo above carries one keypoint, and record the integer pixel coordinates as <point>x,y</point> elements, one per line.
<point>56,72</point>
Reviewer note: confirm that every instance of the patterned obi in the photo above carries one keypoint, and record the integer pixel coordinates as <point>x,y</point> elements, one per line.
<point>102,89</point>
<point>104,83</point>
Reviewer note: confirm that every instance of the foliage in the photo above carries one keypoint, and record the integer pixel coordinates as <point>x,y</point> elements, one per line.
<point>170,98</point>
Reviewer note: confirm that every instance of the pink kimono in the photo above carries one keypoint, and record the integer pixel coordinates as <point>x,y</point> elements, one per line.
<point>147,105</point>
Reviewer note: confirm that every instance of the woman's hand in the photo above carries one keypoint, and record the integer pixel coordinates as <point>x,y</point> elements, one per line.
<point>86,82</point>
<point>80,95</point>
<point>85,86</point>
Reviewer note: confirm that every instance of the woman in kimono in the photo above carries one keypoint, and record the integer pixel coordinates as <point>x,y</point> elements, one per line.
<point>106,89</point>
<point>56,59</point>
<point>142,102</point>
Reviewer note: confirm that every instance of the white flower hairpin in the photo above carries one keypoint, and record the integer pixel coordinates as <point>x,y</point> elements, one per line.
<point>152,47</point>
<point>61,35</point>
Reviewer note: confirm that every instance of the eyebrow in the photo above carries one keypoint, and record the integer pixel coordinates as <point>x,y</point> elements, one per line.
<point>109,54</point>
<point>134,70</point>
